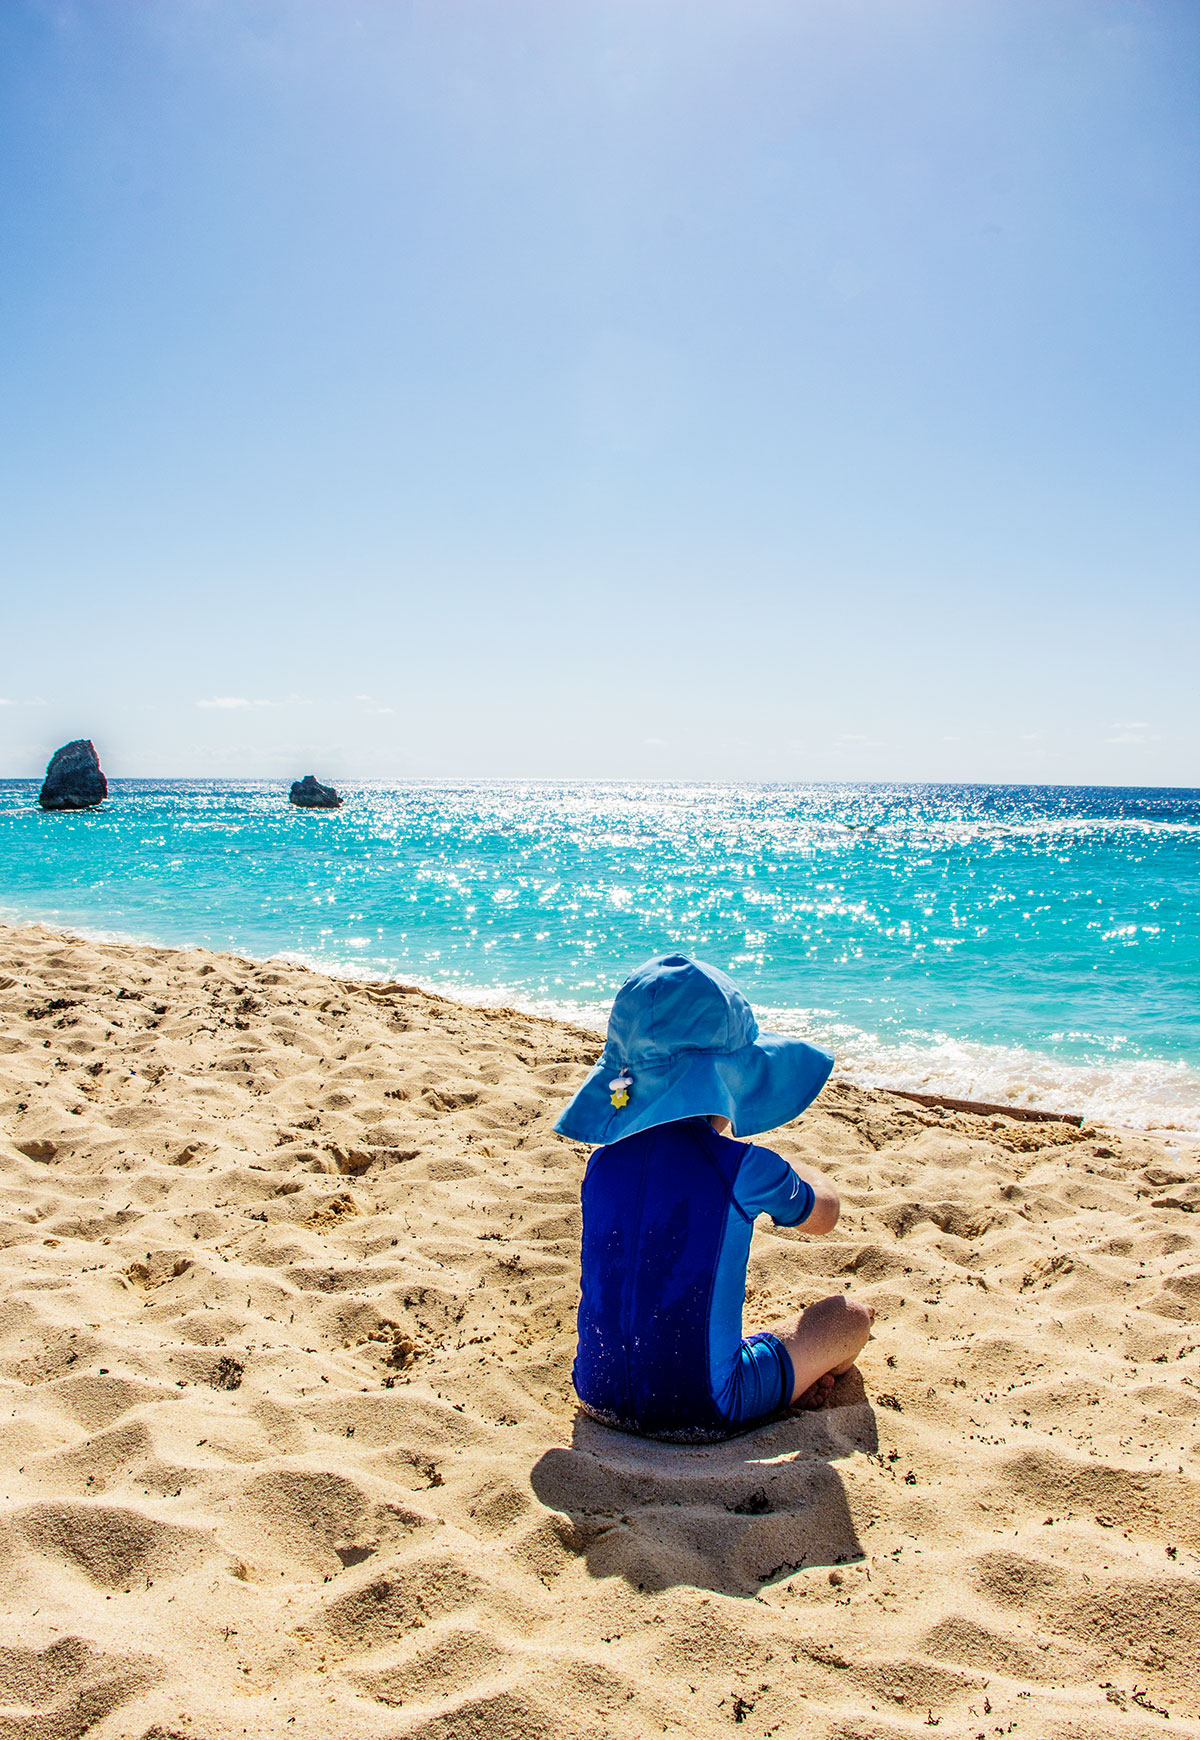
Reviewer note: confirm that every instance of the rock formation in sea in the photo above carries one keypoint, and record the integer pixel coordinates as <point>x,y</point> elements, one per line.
<point>310,794</point>
<point>73,779</point>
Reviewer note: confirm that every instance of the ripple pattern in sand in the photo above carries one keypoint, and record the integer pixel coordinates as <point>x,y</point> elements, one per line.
<point>288,1445</point>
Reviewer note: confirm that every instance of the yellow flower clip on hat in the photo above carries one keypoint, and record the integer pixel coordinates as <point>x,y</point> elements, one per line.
<point>619,1090</point>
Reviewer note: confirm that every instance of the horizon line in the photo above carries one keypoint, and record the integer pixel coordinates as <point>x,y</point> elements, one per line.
<point>283,780</point>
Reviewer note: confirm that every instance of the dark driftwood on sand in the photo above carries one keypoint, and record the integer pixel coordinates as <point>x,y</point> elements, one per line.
<point>986,1108</point>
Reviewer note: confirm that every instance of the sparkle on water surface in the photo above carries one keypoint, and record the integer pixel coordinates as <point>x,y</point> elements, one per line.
<point>1035,944</point>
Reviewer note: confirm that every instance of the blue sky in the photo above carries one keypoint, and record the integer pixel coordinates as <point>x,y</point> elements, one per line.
<point>656,388</point>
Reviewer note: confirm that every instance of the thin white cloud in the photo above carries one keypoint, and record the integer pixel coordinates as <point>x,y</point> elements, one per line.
<point>228,701</point>
<point>1132,731</point>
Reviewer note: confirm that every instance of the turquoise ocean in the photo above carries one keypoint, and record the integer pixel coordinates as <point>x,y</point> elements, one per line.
<point>1038,945</point>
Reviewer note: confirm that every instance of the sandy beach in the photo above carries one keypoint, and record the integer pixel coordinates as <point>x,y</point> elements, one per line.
<point>289,1445</point>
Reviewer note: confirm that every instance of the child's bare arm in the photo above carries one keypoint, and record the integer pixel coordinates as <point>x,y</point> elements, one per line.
<point>827,1206</point>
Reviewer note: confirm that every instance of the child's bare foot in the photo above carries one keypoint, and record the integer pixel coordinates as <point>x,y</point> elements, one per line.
<point>816,1395</point>
<point>822,1343</point>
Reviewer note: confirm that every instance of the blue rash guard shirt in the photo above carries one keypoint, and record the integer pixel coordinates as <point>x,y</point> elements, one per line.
<point>667,1219</point>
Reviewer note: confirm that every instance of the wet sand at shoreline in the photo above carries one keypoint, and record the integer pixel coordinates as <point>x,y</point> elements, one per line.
<point>288,1444</point>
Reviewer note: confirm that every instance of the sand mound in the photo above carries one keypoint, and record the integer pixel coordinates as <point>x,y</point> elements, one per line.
<point>289,1445</point>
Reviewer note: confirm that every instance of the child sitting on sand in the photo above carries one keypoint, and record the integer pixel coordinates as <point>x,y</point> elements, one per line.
<point>668,1210</point>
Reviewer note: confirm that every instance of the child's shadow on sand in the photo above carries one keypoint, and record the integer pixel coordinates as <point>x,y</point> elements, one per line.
<point>729,1517</point>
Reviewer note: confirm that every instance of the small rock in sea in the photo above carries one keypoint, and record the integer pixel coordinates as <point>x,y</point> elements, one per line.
<point>73,779</point>
<point>310,794</point>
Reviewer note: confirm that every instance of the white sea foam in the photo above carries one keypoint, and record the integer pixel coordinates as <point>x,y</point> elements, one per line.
<point>1135,1093</point>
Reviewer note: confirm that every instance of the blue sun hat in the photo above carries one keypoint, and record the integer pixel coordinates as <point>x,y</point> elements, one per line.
<point>683,1043</point>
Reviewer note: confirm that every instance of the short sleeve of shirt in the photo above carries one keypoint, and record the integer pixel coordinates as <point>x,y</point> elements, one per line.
<point>766,1184</point>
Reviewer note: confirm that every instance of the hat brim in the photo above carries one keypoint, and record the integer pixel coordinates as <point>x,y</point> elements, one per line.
<point>765,1084</point>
